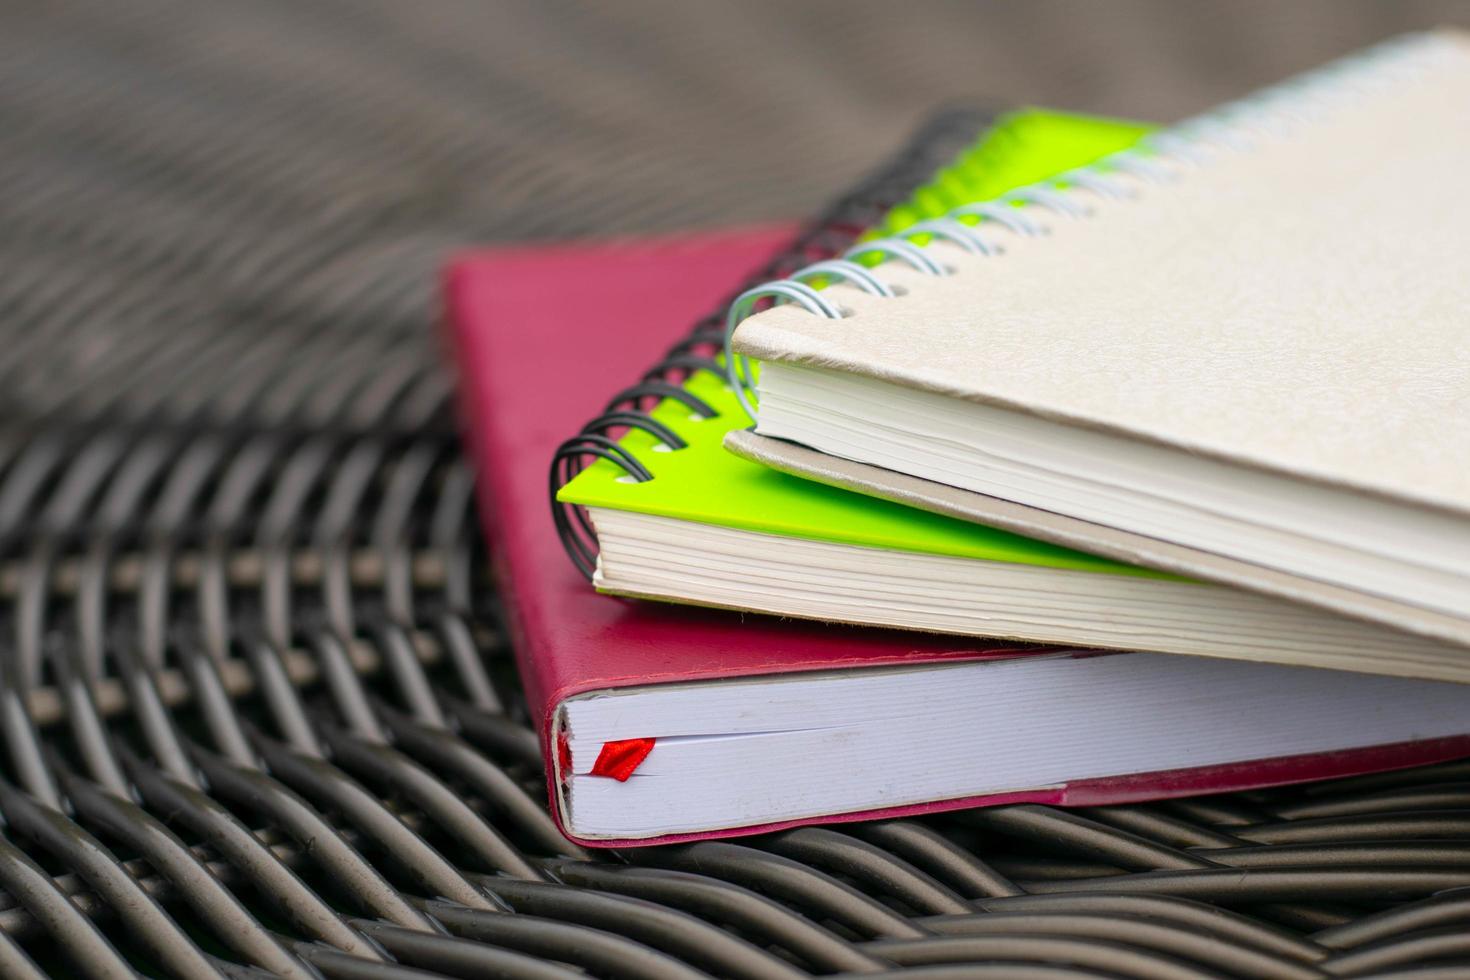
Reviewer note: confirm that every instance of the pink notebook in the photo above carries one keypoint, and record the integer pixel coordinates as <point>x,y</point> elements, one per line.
<point>541,336</point>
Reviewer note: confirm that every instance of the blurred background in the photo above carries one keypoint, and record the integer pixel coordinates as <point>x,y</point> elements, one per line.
<point>252,172</point>
<point>225,413</point>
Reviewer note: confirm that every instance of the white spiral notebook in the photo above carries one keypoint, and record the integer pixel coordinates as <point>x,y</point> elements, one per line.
<point>1240,351</point>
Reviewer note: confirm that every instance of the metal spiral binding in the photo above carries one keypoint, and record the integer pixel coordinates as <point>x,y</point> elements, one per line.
<point>814,254</point>
<point>1159,158</point>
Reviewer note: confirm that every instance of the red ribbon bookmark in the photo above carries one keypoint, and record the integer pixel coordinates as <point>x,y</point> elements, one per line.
<point>618,759</point>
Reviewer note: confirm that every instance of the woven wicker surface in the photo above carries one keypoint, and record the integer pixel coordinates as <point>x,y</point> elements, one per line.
<point>258,715</point>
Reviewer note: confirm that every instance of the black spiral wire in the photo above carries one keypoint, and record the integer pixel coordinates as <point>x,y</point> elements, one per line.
<point>830,234</point>
<point>258,715</point>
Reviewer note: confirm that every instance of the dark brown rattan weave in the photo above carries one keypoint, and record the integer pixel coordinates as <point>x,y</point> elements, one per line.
<point>257,713</point>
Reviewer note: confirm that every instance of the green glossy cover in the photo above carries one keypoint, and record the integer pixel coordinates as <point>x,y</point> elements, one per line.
<point>705,484</point>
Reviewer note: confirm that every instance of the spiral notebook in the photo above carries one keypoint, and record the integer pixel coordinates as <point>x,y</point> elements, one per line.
<point>662,723</point>
<point>670,422</point>
<point>679,520</point>
<point>1237,351</point>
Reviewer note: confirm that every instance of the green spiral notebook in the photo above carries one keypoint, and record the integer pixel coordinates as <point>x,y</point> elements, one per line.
<point>713,529</point>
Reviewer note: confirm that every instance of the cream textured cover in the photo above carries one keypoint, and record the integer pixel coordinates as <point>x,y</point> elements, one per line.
<point>1301,305</point>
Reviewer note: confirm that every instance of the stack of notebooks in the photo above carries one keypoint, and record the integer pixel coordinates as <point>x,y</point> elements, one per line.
<point>1067,459</point>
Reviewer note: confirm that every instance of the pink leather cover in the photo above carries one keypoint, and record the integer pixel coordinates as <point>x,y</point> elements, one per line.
<point>542,337</point>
